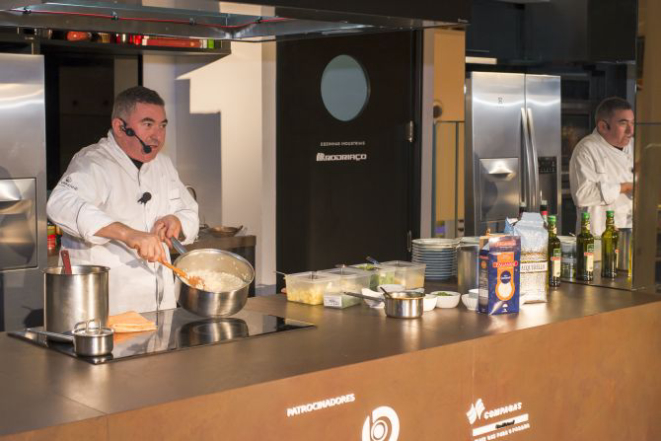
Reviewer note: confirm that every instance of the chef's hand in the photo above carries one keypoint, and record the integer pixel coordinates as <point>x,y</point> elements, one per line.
<point>167,227</point>
<point>148,245</point>
<point>626,188</point>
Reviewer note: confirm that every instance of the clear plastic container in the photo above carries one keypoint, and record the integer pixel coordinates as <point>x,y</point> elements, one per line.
<point>351,279</point>
<point>409,274</point>
<point>309,287</point>
<point>379,274</point>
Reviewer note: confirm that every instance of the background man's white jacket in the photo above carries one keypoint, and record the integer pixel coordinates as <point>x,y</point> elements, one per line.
<point>596,171</point>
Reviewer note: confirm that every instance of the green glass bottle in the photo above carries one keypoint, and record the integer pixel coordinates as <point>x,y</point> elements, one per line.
<point>609,247</point>
<point>554,253</point>
<point>585,251</point>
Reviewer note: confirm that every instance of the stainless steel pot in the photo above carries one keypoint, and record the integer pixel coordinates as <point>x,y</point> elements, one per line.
<point>73,298</point>
<point>209,303</point>
<point>89,339</point>
<point>468,261</point>
<point>398,304</point>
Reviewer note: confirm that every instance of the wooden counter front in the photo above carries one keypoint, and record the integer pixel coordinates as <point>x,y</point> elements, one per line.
<point>584,366</point>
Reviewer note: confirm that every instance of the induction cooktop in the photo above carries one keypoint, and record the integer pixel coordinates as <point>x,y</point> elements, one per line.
<point>177,330</point>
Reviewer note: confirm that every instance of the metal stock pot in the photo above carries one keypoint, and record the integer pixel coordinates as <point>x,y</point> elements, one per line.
<point>73,298</point>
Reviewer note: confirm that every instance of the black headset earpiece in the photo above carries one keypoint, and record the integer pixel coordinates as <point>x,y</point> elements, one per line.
<point>129,131</point>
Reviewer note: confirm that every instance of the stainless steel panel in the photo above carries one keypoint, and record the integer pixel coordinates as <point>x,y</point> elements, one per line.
<point>543,102</point>
<point>18,224</point>
<point>499,188</point>
<point>23,153</point>
<point>493,130</point>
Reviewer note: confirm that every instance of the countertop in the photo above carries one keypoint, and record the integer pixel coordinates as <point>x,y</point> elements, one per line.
<point>42,388</point>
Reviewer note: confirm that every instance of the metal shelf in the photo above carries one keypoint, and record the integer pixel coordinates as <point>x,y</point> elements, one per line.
<point>39,45</point>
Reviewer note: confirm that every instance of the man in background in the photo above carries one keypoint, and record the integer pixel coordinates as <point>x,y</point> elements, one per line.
<point>601,167</point>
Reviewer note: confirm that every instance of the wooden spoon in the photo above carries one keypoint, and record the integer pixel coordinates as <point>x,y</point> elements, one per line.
<point>194,281</point>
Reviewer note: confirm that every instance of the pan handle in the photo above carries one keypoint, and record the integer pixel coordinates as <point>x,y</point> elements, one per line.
<point>53,335</point>
<point>178,246</point>
<point>355,294</point>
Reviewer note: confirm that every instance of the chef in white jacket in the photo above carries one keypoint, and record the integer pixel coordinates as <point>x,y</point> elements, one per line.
<point>120,199</point>
<point>601,167</point>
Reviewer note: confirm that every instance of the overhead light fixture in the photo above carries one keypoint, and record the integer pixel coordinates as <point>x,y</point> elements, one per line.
<point>481,60</point>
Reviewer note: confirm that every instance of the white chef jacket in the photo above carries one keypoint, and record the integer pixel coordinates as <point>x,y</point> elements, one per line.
<point>596,171</point>
<point>102,186</point>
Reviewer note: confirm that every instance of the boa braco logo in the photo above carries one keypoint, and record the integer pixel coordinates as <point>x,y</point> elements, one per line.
<point>382,425</point>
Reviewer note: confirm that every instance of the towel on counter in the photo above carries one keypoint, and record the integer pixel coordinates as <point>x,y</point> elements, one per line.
<point>130,321</point>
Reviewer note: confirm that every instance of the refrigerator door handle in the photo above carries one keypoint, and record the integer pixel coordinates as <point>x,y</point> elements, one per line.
<point>526,178</point>
<point>534,171</point>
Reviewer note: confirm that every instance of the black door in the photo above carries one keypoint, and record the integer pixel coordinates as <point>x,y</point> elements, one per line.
<point>347,161</point>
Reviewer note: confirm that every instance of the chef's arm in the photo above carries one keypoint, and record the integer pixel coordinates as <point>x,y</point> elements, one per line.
<point>148,245</point>
<point>626,187</point>
<point>184,207</point>
<point>71,207</point>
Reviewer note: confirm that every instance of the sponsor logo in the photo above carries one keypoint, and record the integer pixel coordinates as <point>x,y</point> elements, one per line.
<point>322,404</point>
<point>322,157</point>
<point>381,425</point>
<point>475,412</point>
<point>500,428</point>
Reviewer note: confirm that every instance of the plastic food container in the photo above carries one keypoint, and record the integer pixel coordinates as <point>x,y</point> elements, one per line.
<point>379,274</point>
<point>309,287</point>
<point>409,274</point>
<point>351,279</point>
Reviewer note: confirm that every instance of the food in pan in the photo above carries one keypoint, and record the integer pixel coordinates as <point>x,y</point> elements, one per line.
<point>216,281</point>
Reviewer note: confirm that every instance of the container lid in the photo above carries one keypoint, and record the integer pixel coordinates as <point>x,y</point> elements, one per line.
<point>346,272</point>
<point>313,277</point>
<point>370,267</point>
<point>403,264</point>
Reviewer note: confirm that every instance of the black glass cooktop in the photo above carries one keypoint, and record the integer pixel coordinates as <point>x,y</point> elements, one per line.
<point>178,329</point>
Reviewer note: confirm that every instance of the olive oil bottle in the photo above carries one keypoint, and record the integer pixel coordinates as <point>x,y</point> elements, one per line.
<point>585,251</point>
<point>609,247</point>
<point>554,253</point>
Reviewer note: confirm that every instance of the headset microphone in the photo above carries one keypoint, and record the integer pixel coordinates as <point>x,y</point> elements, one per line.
<point>130,132</point>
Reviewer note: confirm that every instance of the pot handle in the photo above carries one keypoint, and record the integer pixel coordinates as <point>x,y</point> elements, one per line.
<point>53,335</point>
<point>178,246</point>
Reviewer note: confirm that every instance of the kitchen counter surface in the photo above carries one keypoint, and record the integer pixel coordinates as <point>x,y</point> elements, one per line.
<point>42,388</point>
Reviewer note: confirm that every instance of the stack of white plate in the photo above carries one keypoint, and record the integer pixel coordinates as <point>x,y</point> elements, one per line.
<point>440,255</point>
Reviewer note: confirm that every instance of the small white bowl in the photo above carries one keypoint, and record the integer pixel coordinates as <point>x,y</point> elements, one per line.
<point>474,293</point>
<point>429,302</point>
<point>469,302</point>
<point>447,301</point>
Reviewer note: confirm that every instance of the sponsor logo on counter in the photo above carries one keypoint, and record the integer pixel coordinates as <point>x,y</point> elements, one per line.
<point>322,404</point>
<point>381,425</point>
<point>501,428</point>
<point>322,157</point>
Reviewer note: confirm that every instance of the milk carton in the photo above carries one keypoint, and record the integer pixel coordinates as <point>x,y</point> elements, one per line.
<point>500,258</point>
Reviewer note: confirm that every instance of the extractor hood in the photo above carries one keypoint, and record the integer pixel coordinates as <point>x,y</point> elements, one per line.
<point>275,19</point>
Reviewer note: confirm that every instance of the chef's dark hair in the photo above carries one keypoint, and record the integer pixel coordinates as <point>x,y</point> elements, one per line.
<point>608,107</point>
<point>126,101</point>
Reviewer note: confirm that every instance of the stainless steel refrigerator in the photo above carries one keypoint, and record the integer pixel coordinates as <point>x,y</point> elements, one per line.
<point>513,150</point>
<point>23,249</point>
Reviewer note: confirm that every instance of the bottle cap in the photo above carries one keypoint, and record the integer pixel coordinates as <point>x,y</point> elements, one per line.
<point>585,216</point>
<point>610,213</point>
<point>552,218</point>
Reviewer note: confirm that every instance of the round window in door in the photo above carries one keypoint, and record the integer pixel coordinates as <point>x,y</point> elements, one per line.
<point>344,87</point>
